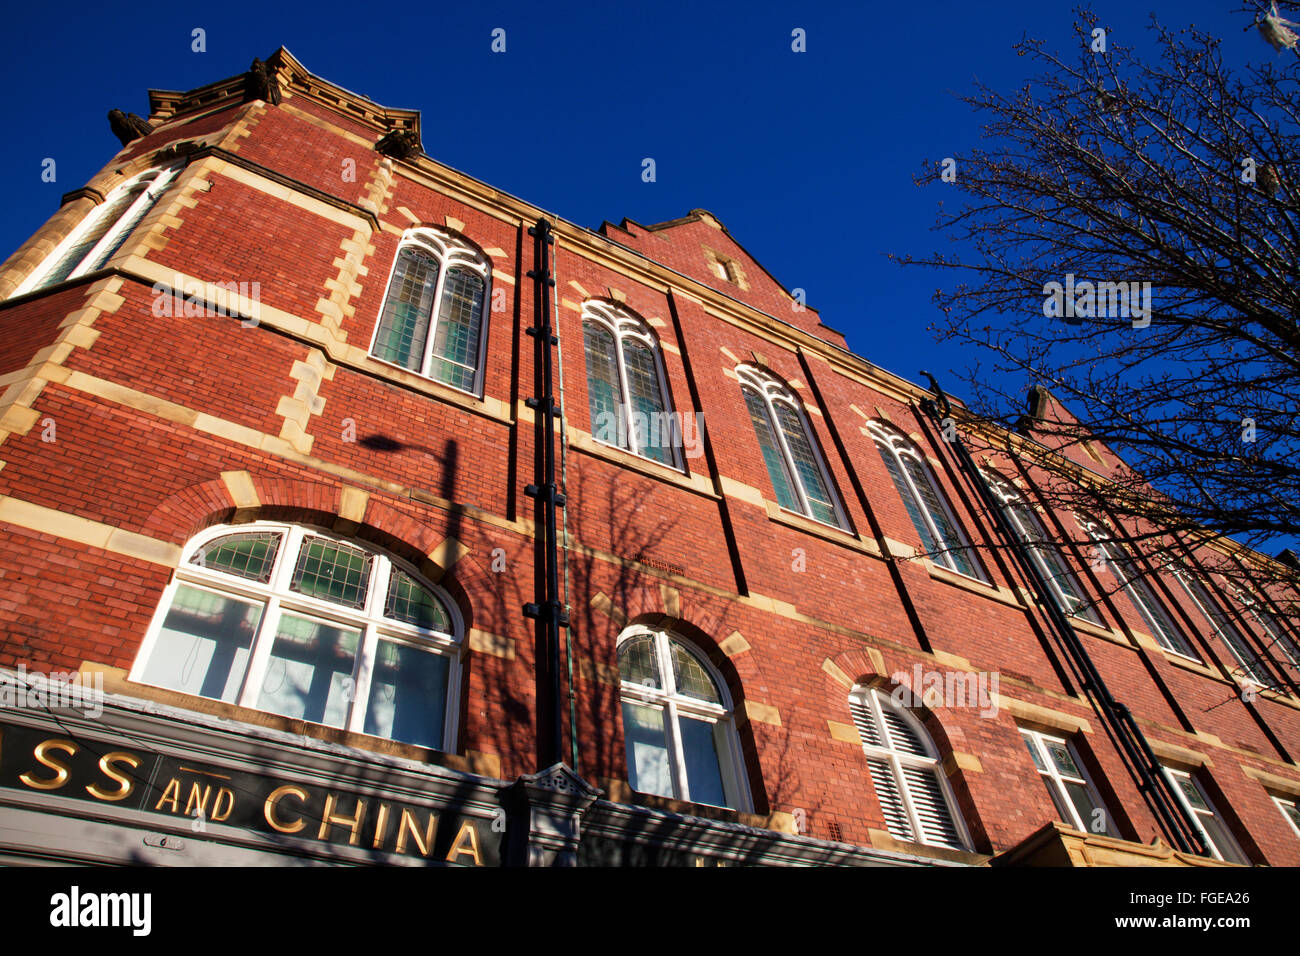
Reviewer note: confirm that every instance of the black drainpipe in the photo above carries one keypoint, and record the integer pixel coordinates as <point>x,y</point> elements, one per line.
<point>1174,821</point>
<point>547,612</point>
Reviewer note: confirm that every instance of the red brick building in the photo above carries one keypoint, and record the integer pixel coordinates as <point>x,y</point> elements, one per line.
<point>265,449</point>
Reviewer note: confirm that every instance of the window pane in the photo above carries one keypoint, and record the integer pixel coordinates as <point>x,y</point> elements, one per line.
<point>638,663</point>
<point>690,677</point>
<point>404,323</point>
<point>460,322</point>
<point>1245,655</point>
<point>1063,759</point>
<point>703,775</point>
<point>772,457</point>
<point>654,433</point>
<point>408,601</point>
<point>309,675</point>
<point>407,695</point>
<point>1191,792</point>
<point>248,555</point>
<point>805,463</point>
<point>105,216</point>
<point>1144,599</point>
<point>332,572</point>
<point>203,646</point>
<point>953,553</point>
<point>1221,838</point>
<point>647,750</point>
<point>128,226</point>
<point>1032,744</point>
<point>604,394</point>
<point>1094,817</point>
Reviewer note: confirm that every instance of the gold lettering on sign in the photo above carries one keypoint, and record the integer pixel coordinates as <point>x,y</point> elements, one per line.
<point>125,785</point>
<point>329,817</point>
<point>466,830</point>
<point>407,825</point>
<point>268,808</point>
<point>195,800</point>
<point>218,814</point>
<point>171,795</point>
<point>41,753</point>
<point>381,826</point>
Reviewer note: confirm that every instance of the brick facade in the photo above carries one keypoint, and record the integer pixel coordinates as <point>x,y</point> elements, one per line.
<point>123,433</point>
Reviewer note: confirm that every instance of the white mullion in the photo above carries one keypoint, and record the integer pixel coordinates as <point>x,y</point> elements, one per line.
<point>260,657</point>
<point>633,439</point>
<point>795,479</point>
<point>363,670</point>
<point>260,653</point>
<point>435,315</point>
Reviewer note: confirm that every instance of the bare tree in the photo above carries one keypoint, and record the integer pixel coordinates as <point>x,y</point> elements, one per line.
<point>1130,240</point>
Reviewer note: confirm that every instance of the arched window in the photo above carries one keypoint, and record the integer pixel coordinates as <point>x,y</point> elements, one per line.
<point>432,321</point>
<point>931,517</point>
<point>626,388</point>
<point>914,794</point>
<point>677,723</point>
<point>1051,563</point>
<point>92,243</point>
<point>294,621</point>
<point>798,474</point>
<point>1139,591</point>
<point>1252,665</point>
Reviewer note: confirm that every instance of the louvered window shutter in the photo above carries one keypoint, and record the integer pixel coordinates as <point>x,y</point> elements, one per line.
<point>904,772</point>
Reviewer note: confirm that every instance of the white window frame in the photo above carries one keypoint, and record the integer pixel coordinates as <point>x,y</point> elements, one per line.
<point>450,251</point>
<point>1010,496</point>
<point>160,178</point>
<point>735,782</point>
<point>1056,780</point>
<point>621,324</point>
<point>1251,669</point>
<point>773,392</point>
<point>276,597</point>
<point>1272,628</point>
<point>1282,804</point>
<point>1138,591</point>
<point>890,442</point>
<point>1172,774</point>
<point>874,701</point>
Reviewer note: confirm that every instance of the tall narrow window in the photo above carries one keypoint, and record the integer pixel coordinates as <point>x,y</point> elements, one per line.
<point>626,388</point>
<point>677,723</point>
<point>1047,557</point>
<point>432,321</point>
<point>1290,810</point>
<point>1251,664</point>
<point>1076,799</point>
<point>1139,592</point>
<point>799,476</point>
<point>1273,629</point>
<point>914,794</point>
<point>1209,822</point>
<point>931,517</point>
<point>297,622</point>
<point>92,243</point>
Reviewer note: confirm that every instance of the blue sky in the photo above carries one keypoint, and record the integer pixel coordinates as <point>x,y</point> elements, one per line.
<point>807,158</point>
